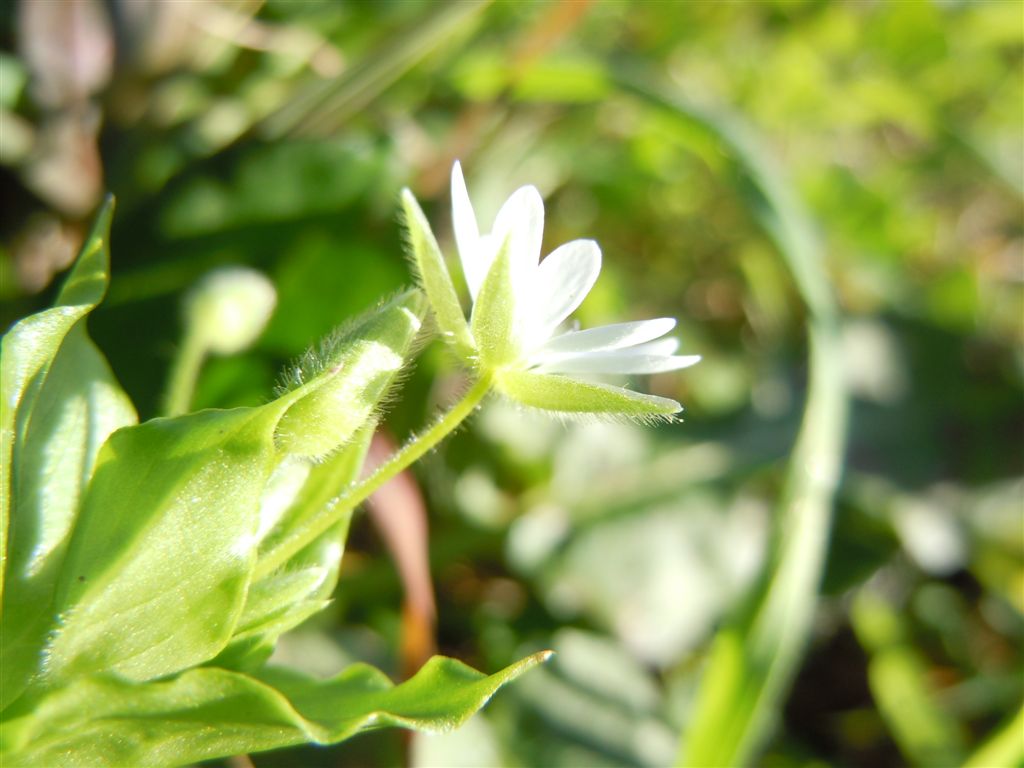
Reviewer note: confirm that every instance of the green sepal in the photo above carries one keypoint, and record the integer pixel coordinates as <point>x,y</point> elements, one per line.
<point>434,277</point>
<point>209,713</point>
<point>574,397</point>
<point>494,313</point>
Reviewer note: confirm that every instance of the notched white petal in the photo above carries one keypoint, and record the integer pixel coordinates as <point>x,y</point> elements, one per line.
<point>620,361</point>
<point>605,337</point>
<point>661,347</point>
<point>467,232</point>
<point>562,281</point>
<point>521,219</point>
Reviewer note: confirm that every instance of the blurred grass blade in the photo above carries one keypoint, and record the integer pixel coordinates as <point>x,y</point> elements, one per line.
<point>324,105</point>
<point>988,158</point>
<point>897,675</point>
<point>768,193</point>
<point>1004,747</point>
<point>755,655</point>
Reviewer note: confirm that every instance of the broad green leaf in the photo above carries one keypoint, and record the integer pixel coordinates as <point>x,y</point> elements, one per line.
<point>208,713</point>
<point>354,370</point>
<point>567,395</point>
<point>494,313</point>
<point>276,596</point>
<point>159,562</point>
<point>433,275</point>
<point>251,647</point>
<point>60,402</point>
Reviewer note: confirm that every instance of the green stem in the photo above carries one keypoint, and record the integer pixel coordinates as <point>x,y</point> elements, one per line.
<point>758,650</point>
<point>184,374</point>
<point>358,493</point>
<point>1003,747</point>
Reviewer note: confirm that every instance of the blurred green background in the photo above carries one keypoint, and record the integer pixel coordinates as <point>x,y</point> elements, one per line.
<point>712,149</point>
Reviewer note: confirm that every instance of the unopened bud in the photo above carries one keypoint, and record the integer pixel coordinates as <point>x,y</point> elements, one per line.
<point>351,382</point>
<point>229,308</point>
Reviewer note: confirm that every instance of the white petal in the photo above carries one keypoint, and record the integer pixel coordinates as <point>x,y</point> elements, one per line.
<point>663,347</point>
<point>562,281</point>
<point>606,337</point>
<point>522,219</point>
<point>619,361</point>
<point>487,248</point>
<point>467,233</point>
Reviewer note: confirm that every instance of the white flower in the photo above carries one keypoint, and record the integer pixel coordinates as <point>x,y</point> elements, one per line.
<point>521,302</point>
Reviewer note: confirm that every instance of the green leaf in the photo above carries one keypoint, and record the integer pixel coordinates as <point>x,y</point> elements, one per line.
<point>354,370</point>
<point>208,713</point>
<point>162,558</point>
<point>276,596</point>
<point>434,277</point>
<point>572,396</point>
<point>61,401</point>
<point>286,598</point>
<point>494,313</point>
<point>159,562</point>
<point>320,489</point>
<point>161,554</point>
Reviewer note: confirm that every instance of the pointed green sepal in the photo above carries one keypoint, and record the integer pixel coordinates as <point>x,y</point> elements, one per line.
<point>574,397</point>
<point>493,322</point>
<point>433,276</point>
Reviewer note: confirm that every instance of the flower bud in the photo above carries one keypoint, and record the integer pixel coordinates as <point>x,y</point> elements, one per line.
<point>229,308</point>
<point>348,380</point>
